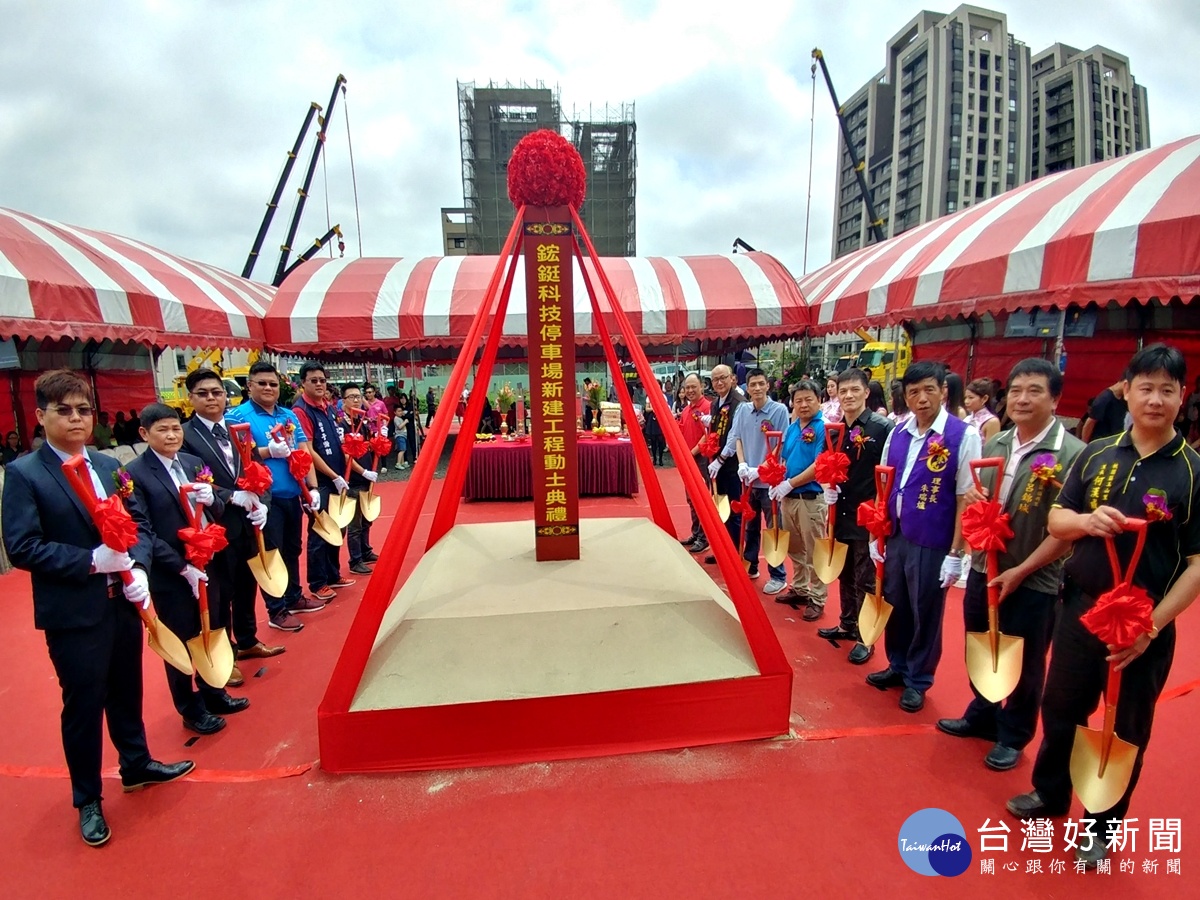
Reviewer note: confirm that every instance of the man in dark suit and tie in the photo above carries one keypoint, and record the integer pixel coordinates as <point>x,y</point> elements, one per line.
<point>91,624</point>
<point>158,474</point>
<point>206,435</point>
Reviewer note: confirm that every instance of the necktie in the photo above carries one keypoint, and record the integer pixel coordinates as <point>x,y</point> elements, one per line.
<point>181,479</point>
<point>225,445</point>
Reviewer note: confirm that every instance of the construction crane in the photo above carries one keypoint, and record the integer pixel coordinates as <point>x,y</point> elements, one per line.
<point>738,242</point>
<point>314,250</point>
<point>859,166</point>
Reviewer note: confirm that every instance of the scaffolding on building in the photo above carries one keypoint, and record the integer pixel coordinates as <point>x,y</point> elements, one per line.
<point>494,118</point>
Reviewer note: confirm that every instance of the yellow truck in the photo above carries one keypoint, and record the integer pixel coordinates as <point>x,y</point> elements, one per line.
<point>877,358</point>
<point>176,397</point>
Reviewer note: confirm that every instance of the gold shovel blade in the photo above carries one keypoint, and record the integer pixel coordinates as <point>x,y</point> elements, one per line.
<point>162,640</point>
<point>1100,792</point>
<point>775,545</point>
<point>995,678</point>
<point>341,510</point>
<point>722,504</point>
<point>327,528</point>
<point>369,505</point>
<point>270,573</point>
<point>212,657</point>
<point>872,619</point>
<point>829,558</point>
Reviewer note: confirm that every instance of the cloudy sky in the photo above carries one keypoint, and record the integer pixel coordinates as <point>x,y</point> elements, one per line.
<point>169,120</point>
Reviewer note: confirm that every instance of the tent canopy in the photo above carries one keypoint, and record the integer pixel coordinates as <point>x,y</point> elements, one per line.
<point>404,303</point>
<point>1121,230</point>
<point>60,281</point>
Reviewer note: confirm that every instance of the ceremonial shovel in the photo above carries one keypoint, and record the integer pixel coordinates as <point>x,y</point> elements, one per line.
<point>341,507</point>
<point>160,638</point>
<point>323,524</point>
<point>875,611</point>
<point>211,652</point>
<point>1102,763</point>
<point>267,567</point>
<point>993,659</point>
<point>368,501</point>
<point>829,554</point>
<point>775,542</point>
<point>721,501</point>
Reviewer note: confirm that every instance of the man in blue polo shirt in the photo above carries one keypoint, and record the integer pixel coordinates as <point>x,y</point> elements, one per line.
<point>285,517</point>
<point>804,512</point>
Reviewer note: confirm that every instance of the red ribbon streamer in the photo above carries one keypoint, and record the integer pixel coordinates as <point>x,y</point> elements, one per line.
<point>117,528</point>
<point>772,471</point>
<point>203,544</point>
<point>354,445</point>
<point>985,526</point>
<point>1120,616</point>
<point>256,478</point>
<point>832,467</point>
<point>741,507</point>
<point>873,516</point>
<point>299,463</point>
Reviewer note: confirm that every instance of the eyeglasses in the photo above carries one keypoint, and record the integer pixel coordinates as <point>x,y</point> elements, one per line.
<point>315,380</point>
<point>204,395</point>
<point>266,384</point>
<point>62,409</point>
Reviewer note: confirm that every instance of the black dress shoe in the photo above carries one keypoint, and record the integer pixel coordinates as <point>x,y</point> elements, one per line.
<point>1001,758</point>
<point>963,728</point>
<point>224,705</point>
<point>701,546</point>
<point>206,724</point>
<point>912,700</point>
<point>1032,806</point>
<point>860,654</point>
<point>688,541</point>
<point>92,827</point>
<point>360,569</point>
<point>156,773</point>
<point>836,634</point>
<point>888,678</point>
<point>1096,851</point>
<point>370,556</point>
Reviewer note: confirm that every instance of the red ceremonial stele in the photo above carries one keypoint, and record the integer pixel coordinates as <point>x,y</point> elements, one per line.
<point>545,176</point>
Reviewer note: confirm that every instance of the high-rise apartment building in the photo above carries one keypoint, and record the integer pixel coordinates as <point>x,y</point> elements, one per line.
<point>494,118</point>
<point>1087,107</point>
<point>945,124</point>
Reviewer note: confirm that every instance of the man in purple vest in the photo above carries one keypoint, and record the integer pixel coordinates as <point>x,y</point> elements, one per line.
<point>931,454</point>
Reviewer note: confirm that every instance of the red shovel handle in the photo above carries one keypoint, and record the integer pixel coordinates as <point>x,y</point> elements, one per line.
<point>777,438</point>
<point>978,465</point>
<point>80,479</point>
<point>1138,525</point>
<point>884,475</point>
<point>240,433</point>
<point>833,435</point>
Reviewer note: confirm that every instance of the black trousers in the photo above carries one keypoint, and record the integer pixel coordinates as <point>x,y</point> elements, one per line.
<point>232,592</point>
<point>856,581</point>
<point>180,612</point>
<point>702,465</point>
<point>1025,614</point>
<point>358,533</point>
<point>762,508</point>
<point>283,533</point>
<point>100,672</point>
<point>1074,684</point>
<point>731,486</point>
<point>324,567</point>
<point>912,585</point>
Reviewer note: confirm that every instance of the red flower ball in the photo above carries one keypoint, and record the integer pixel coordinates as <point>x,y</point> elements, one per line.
<point>772,471</point>
<point>116,526</point>
<point>354,445</point>
<point>1120,616</point>
<point>832,467</point>
<point>985,526</point>
<point>256,478</point>
<point>873,516</point>
<point>546,170</point>
<point>299,463</point>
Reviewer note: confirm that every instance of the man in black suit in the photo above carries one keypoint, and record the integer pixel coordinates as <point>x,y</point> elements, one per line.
<point>206,435</point>
<point>158,474</point>
<point>91,624</point>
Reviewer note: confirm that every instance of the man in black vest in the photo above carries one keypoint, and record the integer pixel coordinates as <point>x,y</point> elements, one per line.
<point>316,414</point>
<point>720,420</point>
<point>206,435</point>
<point>91,623</point>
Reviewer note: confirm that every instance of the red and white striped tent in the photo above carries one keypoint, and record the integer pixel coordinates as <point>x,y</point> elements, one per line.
<point>61,281</point>
<point>1121,230</point>
<point>388,304</point>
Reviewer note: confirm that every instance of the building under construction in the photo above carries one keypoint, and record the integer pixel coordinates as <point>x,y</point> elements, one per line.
<point>493,118</point>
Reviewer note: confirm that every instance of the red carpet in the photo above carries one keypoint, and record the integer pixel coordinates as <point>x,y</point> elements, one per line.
<point>816,816</point>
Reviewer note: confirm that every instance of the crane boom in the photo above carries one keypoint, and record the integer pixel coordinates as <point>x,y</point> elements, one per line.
<point>859,165</point>
<point>286,249</point>
<point>313,109</point>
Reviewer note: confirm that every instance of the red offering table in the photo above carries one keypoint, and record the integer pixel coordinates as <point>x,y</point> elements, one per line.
<point>500,470</point>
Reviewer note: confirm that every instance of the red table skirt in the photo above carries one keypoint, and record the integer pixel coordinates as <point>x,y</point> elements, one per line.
<point>502,470</point>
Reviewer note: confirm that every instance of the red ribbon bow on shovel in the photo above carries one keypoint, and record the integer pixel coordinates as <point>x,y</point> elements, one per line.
<point>354,445</point>
<point>985,526</point>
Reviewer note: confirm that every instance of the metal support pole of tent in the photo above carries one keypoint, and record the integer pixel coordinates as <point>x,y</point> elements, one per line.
<point>895,355</point>
<point>1060,340</point>
<point>972,324</point>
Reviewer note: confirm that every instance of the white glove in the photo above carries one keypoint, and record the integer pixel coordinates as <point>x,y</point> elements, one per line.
<point>339,485</point>
<point>780,490</point>
<point>951,570</point>
<point>257,516</point>
<point>202,494</point>
<point>193,577</point>
<point>245,500</point>
<point>714,467</point>
<point>106,560</point>
<point>314,500</point>
<point>878,554</point>
<point>831,496</point>
<point>383,431</point>
<point>706,420</point>
<point>278,448</point>
<point>370,476</point>
<point>137,591</point>
<point>749,475</point>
